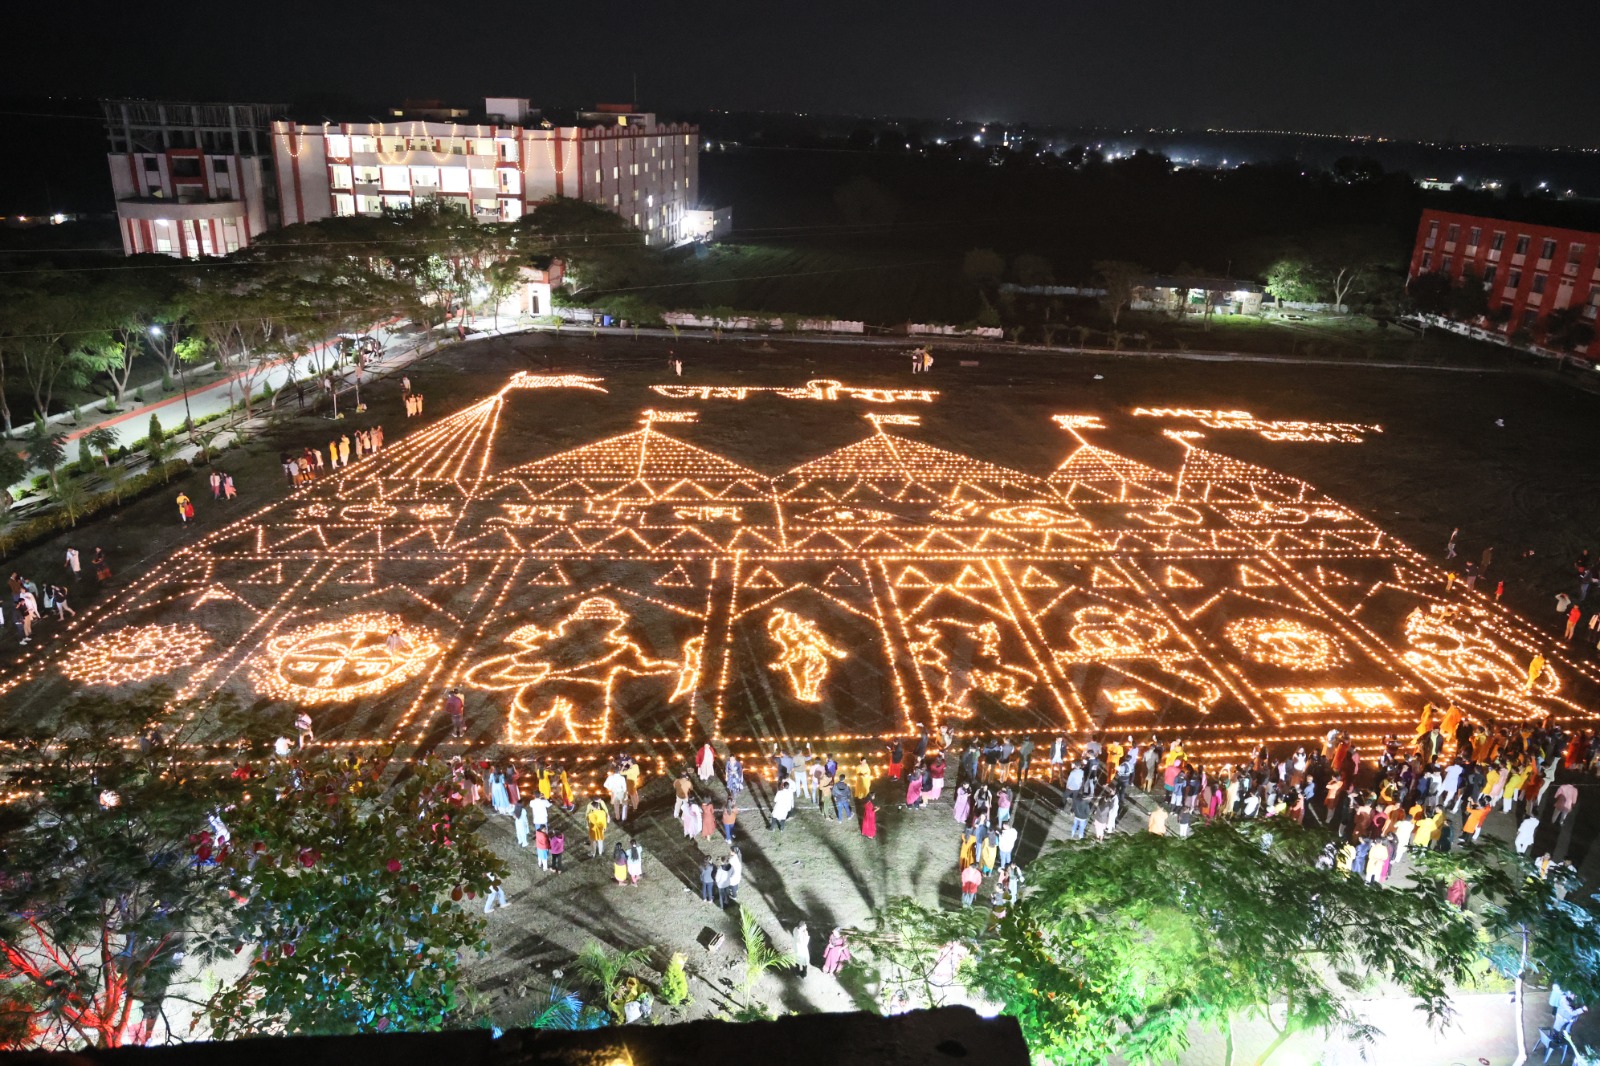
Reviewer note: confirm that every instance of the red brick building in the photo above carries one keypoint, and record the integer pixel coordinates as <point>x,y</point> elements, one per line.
<point>1526,269</point>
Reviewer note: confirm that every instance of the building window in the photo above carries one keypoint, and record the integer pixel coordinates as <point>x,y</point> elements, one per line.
<point>1474,236</point>
<point>508,149</point>
<point>344,204</point>
<point>1522,244</point>
<point>1453,234</point>
<point>338,146</point>
<point>230,237</point>
<point>341,177</point>
<point>453,179</point>
<point>1548,249</point>
<point>1513,279</point>
<point>615,173</point>
<point>1499,240</point>
<point>1444,265</point>
<point>1433,235</point>
<point>1529,317</point>
<point>1539,282</point>
<point>219,165</point>
<point>1488,275</point>
<point>1574,253</point>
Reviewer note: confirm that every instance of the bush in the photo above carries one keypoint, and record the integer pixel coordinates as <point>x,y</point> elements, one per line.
<point>166,382</point>
<point>156,435</point>
<point>23,534</point>
<point>85,458</point>
<point>675,982</point>
<point>110,406</point>
<point>138,394</point>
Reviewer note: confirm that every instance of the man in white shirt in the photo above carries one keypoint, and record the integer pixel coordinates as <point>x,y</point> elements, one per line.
<point>782,805</point>
<point>74,564</point>
<point>539,812</point>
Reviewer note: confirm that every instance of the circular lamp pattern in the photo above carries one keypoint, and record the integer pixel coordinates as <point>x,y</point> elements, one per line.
<point>343,659</point>
<point>136,653</point>
<point>1284,642</point>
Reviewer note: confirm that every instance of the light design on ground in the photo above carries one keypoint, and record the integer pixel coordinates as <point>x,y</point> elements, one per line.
<point>644,589</point>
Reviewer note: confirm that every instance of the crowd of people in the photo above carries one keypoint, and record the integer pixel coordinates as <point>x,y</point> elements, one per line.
<point>31,602</point>
<point>306,465</point>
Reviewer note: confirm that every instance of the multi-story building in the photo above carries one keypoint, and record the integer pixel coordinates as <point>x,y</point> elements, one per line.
<point>1527,270</point>
<point>191,179</point>
<point>497,169</point>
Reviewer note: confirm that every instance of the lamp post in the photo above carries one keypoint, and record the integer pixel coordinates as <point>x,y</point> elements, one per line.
<point>188,419</point>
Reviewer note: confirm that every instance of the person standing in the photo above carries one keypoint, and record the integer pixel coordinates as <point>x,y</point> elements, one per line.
<point>635,861</point>
<point>869,818</point>
<point>73,564</point>
<point>1450,546</point>
<point>216,485</point>
<point>1573,615</point>
<point>101,564</point>
<point>496,894</point>
<point>519,822</point>
<point>708,820</point>
<point>841,800</point>
<point>558,848</point>
<point>802,948</point>
<point>971,879</point>
<point>302,725</point>
<point>619,864</point>
<point>708,881</point>
<point>229,490</point>
<point>782,804</point>
<point>721,881</point>
<point>1006,842</point>
<point>730,816</point>
<point>735,873</point>
<point>733,776</point>
<point>597,820</point>
<point>185,508</point>
<point>706,764</point>
<point>456,708</point>
<point>837,953</point>
<point>1535,668</point>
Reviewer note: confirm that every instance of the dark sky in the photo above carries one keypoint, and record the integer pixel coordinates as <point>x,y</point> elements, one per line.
<point>1426,69</point>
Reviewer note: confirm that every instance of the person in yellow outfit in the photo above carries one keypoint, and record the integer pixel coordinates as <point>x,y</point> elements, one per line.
<point>863,779</point>
<point>1518,777</point>
<point>988,855</point>
<point>597,819</point>
<point>1452,719</point>
<point>969,849</point>
<point>1491,779</point>
<point>344,451</point>
<point>543,781</point>
<point>1425,723</point>
<point>1377,859</point>
<point>1158,821</point>
<point>1535,668</point>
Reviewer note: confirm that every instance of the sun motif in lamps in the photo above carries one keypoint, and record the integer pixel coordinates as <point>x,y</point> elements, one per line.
<point>1284,642</point>
<point>343,659</point>
<point>136,653</point>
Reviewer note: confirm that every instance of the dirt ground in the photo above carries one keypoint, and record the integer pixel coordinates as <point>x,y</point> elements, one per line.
<point>1441,460</point>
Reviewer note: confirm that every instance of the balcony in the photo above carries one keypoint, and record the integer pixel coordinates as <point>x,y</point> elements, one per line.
<point>159,209</point>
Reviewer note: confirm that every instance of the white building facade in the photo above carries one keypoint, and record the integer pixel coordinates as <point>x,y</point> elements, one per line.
<point>619,159</point>
<point>190,179</point>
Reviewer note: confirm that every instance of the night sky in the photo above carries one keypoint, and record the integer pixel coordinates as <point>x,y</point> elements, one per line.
<point>1462,70</point>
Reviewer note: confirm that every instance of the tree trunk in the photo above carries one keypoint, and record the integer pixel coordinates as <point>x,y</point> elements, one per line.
<point>1227,1042</point>
<point>1516,1004</point>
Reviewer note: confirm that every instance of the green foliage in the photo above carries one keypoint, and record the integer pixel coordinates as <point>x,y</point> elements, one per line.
<point>566,1010</point>
<point>675,982</point>
<point>1294,280</point>
<point>103,896</point>
<point>349,894</point>
<point>85,459</point>
<point>72,498</point>
<point>110,404</point>
<point>22,534</point>
<point>759,953</point>
<point>155,434</point>
<point>1121,948</point>
<point>12,469</point>
<point>899,954</point>
<point>1121,281</point>
<point>138,395</point>
<point>101,439</point>
<point>46,447</point>
<point>600,249</point>
<point>605,969</point>
<point>983,267</point>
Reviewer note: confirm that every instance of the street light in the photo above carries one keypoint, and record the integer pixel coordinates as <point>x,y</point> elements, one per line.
<point>188,419</point>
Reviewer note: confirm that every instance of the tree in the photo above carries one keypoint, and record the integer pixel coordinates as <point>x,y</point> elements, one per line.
<point>1430,293</point>
<point>1534,927</point>
<point>1293,280</point>
<point>759,953</point>
<point>864,202</point>
<point>101,439</point>
<point>348,898</point>
<point>983,267</point>
<point>675,982</point>
<point>912,952</point>
<point>1121,280</point>
<point>1566,328</point>
<point>600,250</point>
<point>1123,946</point>
<point>606,970</point>
<point>46,448</point>
<point>107,880</point>
<point>1031,269</point>
<point>12,470</point>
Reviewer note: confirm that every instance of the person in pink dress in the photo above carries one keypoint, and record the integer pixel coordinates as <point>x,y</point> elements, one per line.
<point>869,818</point>
<point>963,805</point>
<point>837,953</point>
<point>914,789</point>
<point>936,772</point>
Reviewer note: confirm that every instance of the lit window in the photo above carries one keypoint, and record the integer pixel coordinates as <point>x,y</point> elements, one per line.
<point>338,146</point>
